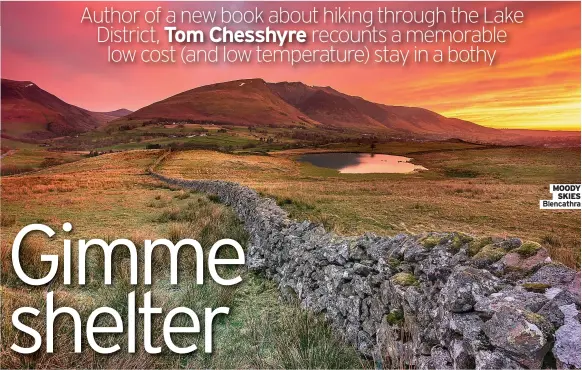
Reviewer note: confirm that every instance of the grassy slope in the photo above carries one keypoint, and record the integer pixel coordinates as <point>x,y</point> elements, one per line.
<point>110,196</point>
<point>30,157</point>
<point>26,157</point>
<point>246,102</point>
<point>482,191</point>
<point>139,137</point>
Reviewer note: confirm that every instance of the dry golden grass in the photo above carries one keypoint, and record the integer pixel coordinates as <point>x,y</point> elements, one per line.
<point>501,199</point>
<point>110,197</point>
<point>30,157</point>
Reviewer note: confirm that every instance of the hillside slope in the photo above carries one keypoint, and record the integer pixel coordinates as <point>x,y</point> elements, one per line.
<point>29,112</point>
<point>255,102</point>
<point>242,102</point>
<point>409,120</point>
<point>117,113</point>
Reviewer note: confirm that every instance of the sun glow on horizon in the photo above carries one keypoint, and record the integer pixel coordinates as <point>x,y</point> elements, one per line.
<point>549,108</point>
<point>524,94</point>
<point>534,83</point>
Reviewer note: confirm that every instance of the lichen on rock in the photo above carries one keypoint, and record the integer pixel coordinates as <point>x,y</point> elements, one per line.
<point>442,301</point>
<point>404,279</point>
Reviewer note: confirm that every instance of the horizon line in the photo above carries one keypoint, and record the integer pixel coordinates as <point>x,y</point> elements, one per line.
<point>300,82</point>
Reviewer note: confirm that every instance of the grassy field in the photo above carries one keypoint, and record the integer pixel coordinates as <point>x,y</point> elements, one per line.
<point>202,136</point>
<point>31,157</point>
<point>111,196</point>
<point>470,188</point>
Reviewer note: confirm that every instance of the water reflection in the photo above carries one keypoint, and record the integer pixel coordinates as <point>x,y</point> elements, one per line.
<point>362,162</point>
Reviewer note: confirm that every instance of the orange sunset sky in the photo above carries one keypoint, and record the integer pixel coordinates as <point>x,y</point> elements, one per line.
<point>535,82</point>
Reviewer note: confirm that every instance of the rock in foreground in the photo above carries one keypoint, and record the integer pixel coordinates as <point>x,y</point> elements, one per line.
<point>431,301</point>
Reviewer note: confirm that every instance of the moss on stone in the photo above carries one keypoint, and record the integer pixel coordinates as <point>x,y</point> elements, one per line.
<point>460,239</point>
<point>514,270</point>
<point>490,254</point>
<point>535,287</point>
<point>538,320</point>
<point>478,244</point>
<point>404,279</point>
<point>393,262</point>
<point>430,242</point>
<point>533,317</point>
<point>528,249</point>
<point>395,317</point>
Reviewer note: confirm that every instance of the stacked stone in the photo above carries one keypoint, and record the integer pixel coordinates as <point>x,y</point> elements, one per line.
<point>430,301</point>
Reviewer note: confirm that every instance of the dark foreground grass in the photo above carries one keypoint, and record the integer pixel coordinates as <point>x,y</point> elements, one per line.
<point>260,331</point>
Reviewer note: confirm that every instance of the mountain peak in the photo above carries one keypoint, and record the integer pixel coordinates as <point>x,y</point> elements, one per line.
<point>246,102</point>
<point>254,102</point>
<point>45,115</point>
<point>243,81</point>
<point>118,112</point>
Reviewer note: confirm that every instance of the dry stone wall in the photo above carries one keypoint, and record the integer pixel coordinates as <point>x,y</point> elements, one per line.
<point>430,301</point>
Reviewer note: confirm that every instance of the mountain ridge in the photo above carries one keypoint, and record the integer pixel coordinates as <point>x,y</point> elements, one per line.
<point>289,104</point>
<point>121,112</point>
<point>30,112</point>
